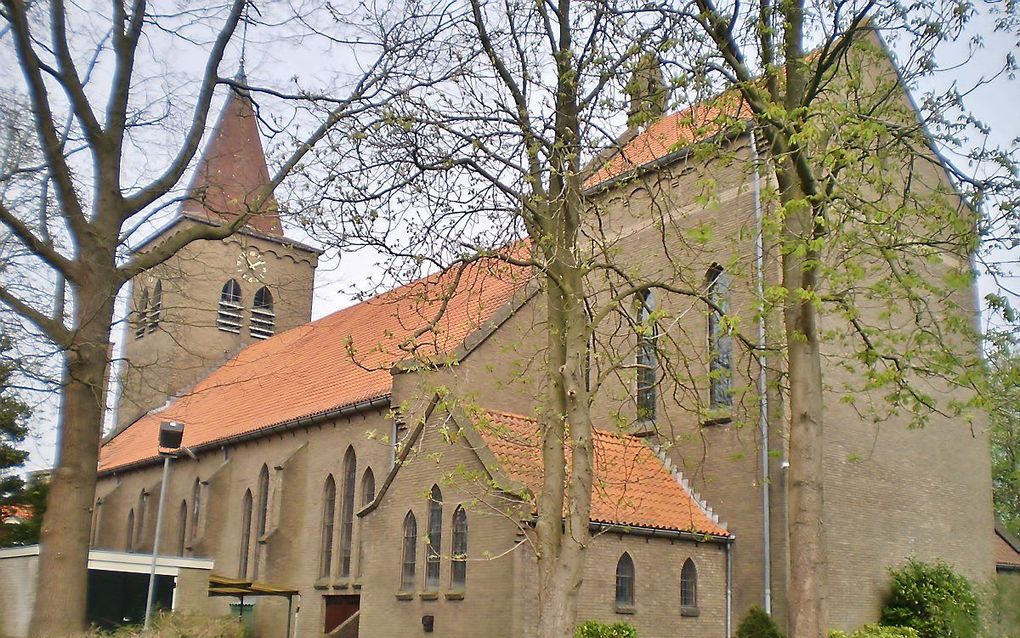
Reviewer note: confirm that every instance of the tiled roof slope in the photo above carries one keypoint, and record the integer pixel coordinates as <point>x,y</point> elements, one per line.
<point>671,133</point>
<point>340,360</point>
<point>632,485</point>
<point>1006,556</point>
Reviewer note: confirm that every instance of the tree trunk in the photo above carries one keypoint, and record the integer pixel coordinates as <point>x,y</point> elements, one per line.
<point>806,506</point>
<point>64,540</point>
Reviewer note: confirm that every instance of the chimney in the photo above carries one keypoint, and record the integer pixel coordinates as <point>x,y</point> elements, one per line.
<point>648,92</point>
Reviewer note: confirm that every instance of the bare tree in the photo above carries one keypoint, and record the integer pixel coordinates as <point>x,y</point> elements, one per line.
<point>91,205</point>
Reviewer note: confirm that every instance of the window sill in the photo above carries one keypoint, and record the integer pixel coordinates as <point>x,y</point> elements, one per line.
<point>719,420</point>
<point>689,612</point>
<point>405,595</point>
<point>356,585</point>
<point>626,609</point>
<point>454,595</point>
<point>429,595</point>
<point>322,583</point>
<point>644,428</point>
<point>341,584</point>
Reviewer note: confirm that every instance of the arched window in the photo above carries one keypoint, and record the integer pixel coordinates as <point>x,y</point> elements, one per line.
<point>141,313</point>
<point>407,555</point>
<point>435,539</point>
<point>196,508</point>
<point>367,496</point>
<point>262,315</point>
<point>458,562</point>
<point>263,516</point>
<point>720,343</point>
<point>97,515</point>
<point>647,358</point>
<point>129,537</point>
<point>328,516</point>
<point>156,306</point>
<point>182,531</point>
<point>347,511</point>
<point>625,581</point>
<point>230,312</point>
<point>689,584</point>
<point>143,502</point>
<point>246,507</point>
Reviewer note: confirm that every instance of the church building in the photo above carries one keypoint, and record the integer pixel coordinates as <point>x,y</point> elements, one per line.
<point>384,476</point>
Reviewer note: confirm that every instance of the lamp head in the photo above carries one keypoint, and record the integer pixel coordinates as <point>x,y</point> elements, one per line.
<point>171,434</point>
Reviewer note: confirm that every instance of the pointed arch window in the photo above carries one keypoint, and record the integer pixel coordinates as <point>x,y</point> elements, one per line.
<point>262,316</point>
<point>129,537</point>
<point>367,496</point>
<point>246,511</point>
<point>263,516</point>
<point>196,508</point>
<point>182,531</point>
<point>689,585</point>
<point>459,548</point>
<point>156,306</point>
<point>230,313</point>
<point>647,358</point>
<point>141,313</point>
<point>435,539</point>
<point>625,581</point>
<point>720,343</point>
<point>143,502</point>
<point>328,517</point>
<point>407,554</point>
<point>347,511</point>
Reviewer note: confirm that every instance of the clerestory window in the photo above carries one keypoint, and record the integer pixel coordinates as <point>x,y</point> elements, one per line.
<point>647,358</point>
<point>720,343</point>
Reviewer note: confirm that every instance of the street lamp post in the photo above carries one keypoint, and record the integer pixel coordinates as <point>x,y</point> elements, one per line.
<point>171,434</point>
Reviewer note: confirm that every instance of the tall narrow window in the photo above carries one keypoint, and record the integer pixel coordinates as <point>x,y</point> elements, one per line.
<point>689,584</point>
<point>141,314</point>
<point>246,507</point>
<point>196,508</point>
<point>435,539</point>
<point>143,501</point>
<point>230,312</point>
<point>367,496</point>
<point>625,581</point>
<point>720,343</point>
<point>97,515</point>
<point>182,528</point>
<point>459,547</point>
<point>263,515</point>
<point>647,358</point>
<point>262,315</point>
<point>156,307</point>
<point>129,537</point>
<point>407,555</point>
<point>328,516</point>
<point>347,512</point>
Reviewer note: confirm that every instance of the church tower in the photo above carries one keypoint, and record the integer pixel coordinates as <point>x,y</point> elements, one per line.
<point>202,306</point>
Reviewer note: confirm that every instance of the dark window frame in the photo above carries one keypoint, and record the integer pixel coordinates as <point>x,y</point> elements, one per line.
<point>720,342</point>
<point>459,549</point>
<point>689,585</point>
<point>647,359</point>
<point>434,544</point>
<point>408,554</point>
<point>626,578</point>
<point>328,525</point>
<point>247,505</point>
<point>350,473</point>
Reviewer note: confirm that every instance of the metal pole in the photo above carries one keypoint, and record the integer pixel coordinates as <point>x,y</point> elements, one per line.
<point>155,542</point>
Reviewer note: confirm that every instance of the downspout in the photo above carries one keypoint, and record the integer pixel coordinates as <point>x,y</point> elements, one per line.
<point>763,405</point>
<point>729,589</point>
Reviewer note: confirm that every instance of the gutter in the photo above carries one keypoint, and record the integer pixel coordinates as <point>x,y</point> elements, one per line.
<point>654,532</point>
<point>283,426</point>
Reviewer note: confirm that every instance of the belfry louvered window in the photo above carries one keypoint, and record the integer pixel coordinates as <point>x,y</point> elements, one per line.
<point>263,318</point>
<point>141,314</point>
<point>156,306</point>
<point>230,312</point>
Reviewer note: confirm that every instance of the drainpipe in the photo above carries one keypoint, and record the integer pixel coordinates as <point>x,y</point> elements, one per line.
<point>729,589</point>
<point>763,405</point>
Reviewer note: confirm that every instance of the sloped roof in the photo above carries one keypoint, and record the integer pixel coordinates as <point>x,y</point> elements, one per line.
<point>632,485</point>
<point>1007,550</point>
<point>671,133</point>
<point>341,360</point>
<point>232,171</point>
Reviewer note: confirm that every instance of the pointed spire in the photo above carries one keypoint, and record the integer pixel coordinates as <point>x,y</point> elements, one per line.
<point>232,172</point>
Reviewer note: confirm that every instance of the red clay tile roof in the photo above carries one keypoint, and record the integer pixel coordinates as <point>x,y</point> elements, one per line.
<point>232,171</point>
<point>1005,554</point>
<point>632,485</point>
<point>672,133</point>
<point>20,512</point>
<point>340,360</point>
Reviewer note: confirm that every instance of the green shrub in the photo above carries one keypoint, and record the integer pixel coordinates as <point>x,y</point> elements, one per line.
<point>595,629</point>
<point>179,625</point>
<point>877,631</point>
<point>933,599</point>
<point>758,624</point>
